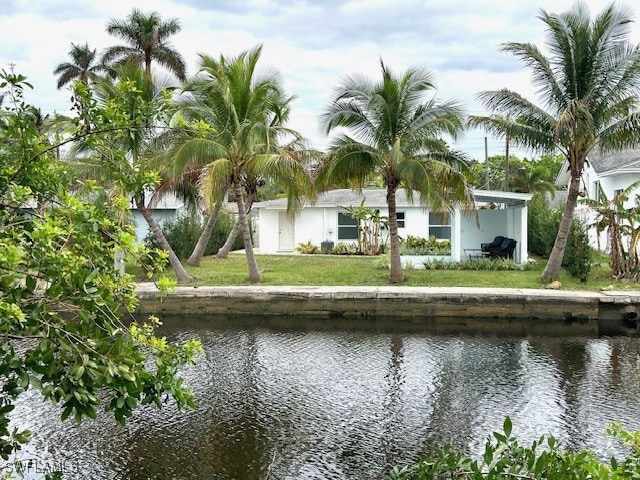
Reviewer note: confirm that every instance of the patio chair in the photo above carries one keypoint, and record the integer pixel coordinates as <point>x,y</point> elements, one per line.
<point>504,250</point>
<point>486,247</point>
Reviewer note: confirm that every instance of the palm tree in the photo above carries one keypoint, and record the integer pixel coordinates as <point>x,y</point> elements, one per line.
<point>588,86</point>
<point>183,175</point>
<point>146,36</point>
<point>138,99</point>
<point>397,128</point>
<point>82,66</point>
<point>247,112</point>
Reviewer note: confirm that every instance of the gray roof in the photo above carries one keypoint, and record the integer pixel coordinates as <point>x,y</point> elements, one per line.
<point>377,198</point>
<point>611,161</point>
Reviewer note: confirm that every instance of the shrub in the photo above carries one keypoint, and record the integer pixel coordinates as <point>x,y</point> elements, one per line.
<point>543,225</point>
<point>183,231</point>
<point>498,264</point>
<point>383,262</point>
<point>424,246</point>
<point>307,248</point>
<point>578,254</point>
<point>505,458</point>
<point>346,249</point>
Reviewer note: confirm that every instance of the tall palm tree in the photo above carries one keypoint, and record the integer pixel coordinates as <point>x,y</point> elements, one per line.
<point>82,66</point>
<point>139,101</point>
<point>398,128</point>
<point>146,36</point>
<point>247,111</point>
<point>588,85</point>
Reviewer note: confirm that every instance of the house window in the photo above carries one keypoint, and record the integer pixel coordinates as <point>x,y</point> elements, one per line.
<point>596,190</point>
<point>618,192</point>
<point>347,227</point>
<point>400,217</point>
<point>440,225</point>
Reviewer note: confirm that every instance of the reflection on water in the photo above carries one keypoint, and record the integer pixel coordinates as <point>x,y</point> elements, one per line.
<point>322,403</point>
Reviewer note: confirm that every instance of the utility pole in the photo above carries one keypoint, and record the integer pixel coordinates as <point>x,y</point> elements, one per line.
<point>486,164</point>
<point>506,164</point>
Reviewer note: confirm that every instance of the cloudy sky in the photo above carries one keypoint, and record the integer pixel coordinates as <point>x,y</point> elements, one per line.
<point>313,43</point>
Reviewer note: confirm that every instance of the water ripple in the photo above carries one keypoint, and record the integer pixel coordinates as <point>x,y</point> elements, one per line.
<point>320,404</point>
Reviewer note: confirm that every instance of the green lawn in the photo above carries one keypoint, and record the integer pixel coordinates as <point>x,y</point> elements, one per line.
<point>366,271</point>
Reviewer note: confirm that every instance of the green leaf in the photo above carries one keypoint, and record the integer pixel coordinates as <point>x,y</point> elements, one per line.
<point>507,427</point>
<point>30,282</point>
<point>67,411</point>
<point>35,381</point>
<point>91,276</point>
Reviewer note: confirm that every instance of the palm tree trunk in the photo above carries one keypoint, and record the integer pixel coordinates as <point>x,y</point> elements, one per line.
<point>226,248</point>
<point>254,273</point>
<point>395,272</point>
<point>552,270</point>
<point>203,241</point>
<point>181,273</point>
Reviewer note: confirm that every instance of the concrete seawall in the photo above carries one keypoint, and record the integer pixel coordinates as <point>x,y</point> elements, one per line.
<point>447,310</point>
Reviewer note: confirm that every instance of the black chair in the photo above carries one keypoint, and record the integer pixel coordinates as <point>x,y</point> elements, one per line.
<point>505,250</point>
<point>486,247</point>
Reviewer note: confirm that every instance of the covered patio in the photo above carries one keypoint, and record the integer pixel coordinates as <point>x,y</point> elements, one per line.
<point>499,213</point>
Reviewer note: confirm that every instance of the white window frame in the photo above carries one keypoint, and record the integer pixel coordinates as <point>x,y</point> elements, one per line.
<point>440,225</point>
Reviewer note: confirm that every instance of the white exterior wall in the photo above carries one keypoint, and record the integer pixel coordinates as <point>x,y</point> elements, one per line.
<point>510,222</point>
<point>608,185</point>
<point>142,227</point>
<point>492,223</point>
<point>321,224</point>
<point>619,182</point>
<point>416,222</point>
<point>309,227</point>
<point>316,225</point>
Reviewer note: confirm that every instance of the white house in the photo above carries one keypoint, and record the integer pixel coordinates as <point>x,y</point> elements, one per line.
<point>163,209</point>
<point>608,173</point>
<point>499,213</point>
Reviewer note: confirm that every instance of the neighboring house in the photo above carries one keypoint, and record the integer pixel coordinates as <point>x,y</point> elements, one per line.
<point>328,220</point>
<point>168,207</point>
<point>608,173</point>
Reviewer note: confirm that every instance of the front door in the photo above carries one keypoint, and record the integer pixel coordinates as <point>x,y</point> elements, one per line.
<point>285,225</point>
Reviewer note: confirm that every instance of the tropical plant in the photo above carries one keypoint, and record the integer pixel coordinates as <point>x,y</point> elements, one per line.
<point>146,36</point>
<point>588,85</point>
<point>342,248</point>
<point>371,226</point>
<point>82,66</point>
<point>61,299</point>
<point>621,226</point>
<point>578,255</point>
<point>246,113</point>
<point>398,130</point>
<point>184,184</point>
<point>307,248</point>
<point>412,245</point>
<point>130,110</point>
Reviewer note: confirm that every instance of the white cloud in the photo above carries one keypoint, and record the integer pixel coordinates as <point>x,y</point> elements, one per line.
<point>314,43</point>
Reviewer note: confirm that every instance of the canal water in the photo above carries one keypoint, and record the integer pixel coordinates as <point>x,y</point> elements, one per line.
<point>317,401</point>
